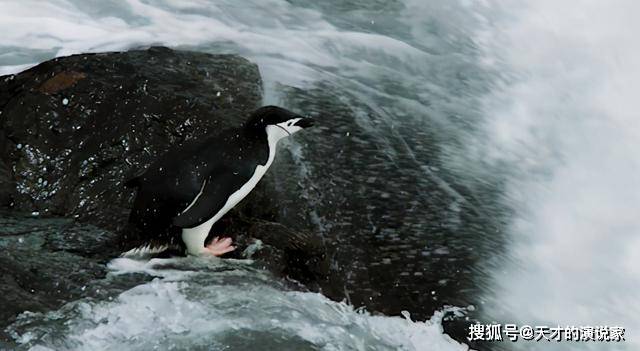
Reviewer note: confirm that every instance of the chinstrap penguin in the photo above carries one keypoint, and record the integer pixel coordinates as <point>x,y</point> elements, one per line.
<point>188,189</point>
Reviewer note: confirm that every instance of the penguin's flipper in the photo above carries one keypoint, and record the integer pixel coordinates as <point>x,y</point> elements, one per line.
<point>212,197</point>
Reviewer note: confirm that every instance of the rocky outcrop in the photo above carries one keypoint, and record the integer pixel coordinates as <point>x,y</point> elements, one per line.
<point>47,262</point>
<point>401,231</point>
<point>74,128</point>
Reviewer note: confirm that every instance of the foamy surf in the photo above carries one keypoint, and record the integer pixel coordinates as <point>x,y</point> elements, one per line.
<point>541,94</point>
<point>562,129</point>
<point>202,304</point>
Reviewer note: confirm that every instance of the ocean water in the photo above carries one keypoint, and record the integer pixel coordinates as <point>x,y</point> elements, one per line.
<point>195,304</point>
<point>566,122</point>
<point>528,107</point>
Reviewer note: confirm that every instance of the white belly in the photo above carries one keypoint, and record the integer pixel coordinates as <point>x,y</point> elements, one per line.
<point>241,193</point>
<point>195,237</point>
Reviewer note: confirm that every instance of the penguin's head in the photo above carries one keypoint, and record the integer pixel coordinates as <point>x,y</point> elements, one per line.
<point>278,121</point>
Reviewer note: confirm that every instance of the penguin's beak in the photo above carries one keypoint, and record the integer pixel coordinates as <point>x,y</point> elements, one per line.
<point>305,122</point>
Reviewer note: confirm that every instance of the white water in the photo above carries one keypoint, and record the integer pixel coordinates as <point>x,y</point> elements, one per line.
<point>559,124</point>
<point>201,306</point>
<point>565,121</point>
<point>205,304</point>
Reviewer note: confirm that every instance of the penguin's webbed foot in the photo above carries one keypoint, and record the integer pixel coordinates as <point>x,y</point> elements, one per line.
<point>219,247</point>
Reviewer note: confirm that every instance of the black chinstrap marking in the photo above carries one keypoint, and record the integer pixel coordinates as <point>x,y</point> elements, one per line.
<point>279,126</point>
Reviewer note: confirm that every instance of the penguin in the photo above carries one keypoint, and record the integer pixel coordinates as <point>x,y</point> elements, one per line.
<point>188,189</point>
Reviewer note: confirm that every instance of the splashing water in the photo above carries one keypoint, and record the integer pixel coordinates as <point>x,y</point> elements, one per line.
<point>201,304</point>
<point>535,96</point>
<point>367,53</point>
<point>564,121</point>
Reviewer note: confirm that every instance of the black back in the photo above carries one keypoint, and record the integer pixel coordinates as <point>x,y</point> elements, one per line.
<point>266,115</point>
<point>223,162</point>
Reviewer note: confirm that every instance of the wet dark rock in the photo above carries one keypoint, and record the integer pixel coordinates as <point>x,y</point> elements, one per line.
<point>36,272</point>
<point>74,128</point>
<point>402,232</point>
<point>86,240</point>
<point>297,254</point>
<point>7,184</point>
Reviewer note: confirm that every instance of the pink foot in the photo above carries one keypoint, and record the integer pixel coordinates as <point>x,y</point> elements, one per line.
<point>219,247</point>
